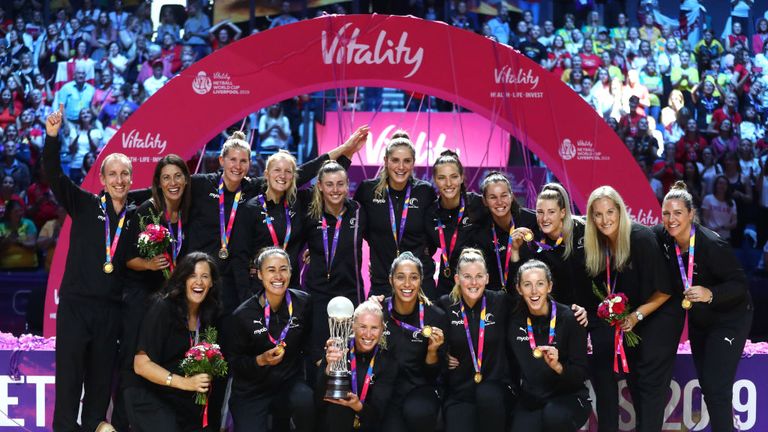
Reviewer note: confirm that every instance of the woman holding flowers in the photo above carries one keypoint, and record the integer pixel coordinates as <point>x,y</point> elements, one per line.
<point>270,337</point>
<point>550,348</point>
<point>623,258</point>
<point>716,295</point>
<point>174,323</point>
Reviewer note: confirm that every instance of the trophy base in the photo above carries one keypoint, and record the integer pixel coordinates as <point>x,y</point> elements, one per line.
<point>339,385</point>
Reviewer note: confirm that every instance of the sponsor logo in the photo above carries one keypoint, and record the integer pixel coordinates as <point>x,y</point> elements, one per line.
<point>426,151</point>
<point>508,75</point>
<point>345,49</point>
<point>378,201</point>
<point>643,216</point>
<point>567,150</point>
<point>202,84</point>
<point>148,141</point>
<point>522,338</point>
<point>102,218</point>
<point>457,323</point>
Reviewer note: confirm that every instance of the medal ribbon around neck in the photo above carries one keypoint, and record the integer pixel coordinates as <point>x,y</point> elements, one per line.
<point>225,233</point>
<point>610,288</point>
<point>330,254</point>
<point>270,225</point>
<point>368,374</point>
<point>446,252</point>
<point>196,340</point>
<point>268,314</point>
<point>543,246</point>
<point>503,272</point>
<point>177,240</point>
<point>403,216</point>
<point>405,325</point>
<point>618,334</point>
<point>477,360</point>
<point>687,280</point>
<point>111,243</point>
<point>551,338</point>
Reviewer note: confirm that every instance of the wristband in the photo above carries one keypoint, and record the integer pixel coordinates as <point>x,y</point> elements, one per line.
<point>168,379</point>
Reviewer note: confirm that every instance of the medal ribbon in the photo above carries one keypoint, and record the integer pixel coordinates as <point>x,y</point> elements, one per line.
<point>368,374</point>
<point>196,340</point>
<point>268,313</point>
<point>618,335</point>
<point>403,216</point>
<point>405,325</point>
<point>329,255</point>
<point>477,360</point>
<point>176,240</point>
<point>271,227</point>
<point>226,233</point>
<point>610,288</point>
<point>543,246</point>
<point>503,272</point>
<point>552,323</point>
<point>111,244</point>
<point>441,235</point>
<point>687,281</point>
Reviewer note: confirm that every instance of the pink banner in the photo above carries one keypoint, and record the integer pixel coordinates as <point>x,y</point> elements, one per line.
<point>478,141</point>
<point>490,79</point>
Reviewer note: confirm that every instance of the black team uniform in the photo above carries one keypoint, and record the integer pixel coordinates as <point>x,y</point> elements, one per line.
<point>470,406</point>
<point>547,401</point>
<point>88,316</point>
<point>379,230</point>
<point>280,390</point>
<point>522,217</point>
<point>717,330</point>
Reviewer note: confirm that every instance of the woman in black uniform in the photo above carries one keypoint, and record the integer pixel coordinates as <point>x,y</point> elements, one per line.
<point>393,227</point>
<point>213,215</point>
<point>550,348</point>
<point>454,216</point>
<point>623,256</point>
<point>477,394</point>
<point>714,288</point>
<point>333,230</point>
<point>169,204</point>
<point>165,399</point>
<point>269,343</point>
<point>415,335</point>
<point>373,371</point>
<point>501,235</point>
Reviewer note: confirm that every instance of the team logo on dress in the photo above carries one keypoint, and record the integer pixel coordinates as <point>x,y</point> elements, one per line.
<point>202,84</point>
<point>567,150</point>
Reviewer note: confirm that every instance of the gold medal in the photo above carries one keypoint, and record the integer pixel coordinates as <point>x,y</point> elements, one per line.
<point>223,253</point>
<point>478,377</point>
<point>447,272</point>
<point>356,423</point>
<point>686,304</point>
<point>426,331</point>
<point>108,267</point>
<point>528,237</point>
<point>537,353</point>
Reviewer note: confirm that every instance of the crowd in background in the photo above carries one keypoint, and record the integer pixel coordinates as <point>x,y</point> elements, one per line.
<point>687,110</point>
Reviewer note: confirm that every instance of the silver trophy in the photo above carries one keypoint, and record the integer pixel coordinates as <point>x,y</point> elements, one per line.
<point>340,311</point>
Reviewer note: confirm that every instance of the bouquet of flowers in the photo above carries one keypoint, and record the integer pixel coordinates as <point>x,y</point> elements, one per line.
<point>154,240</point>
<point>205,357</point>
<point>613,309</point>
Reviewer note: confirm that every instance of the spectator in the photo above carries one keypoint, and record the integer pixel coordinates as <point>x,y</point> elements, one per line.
<point>75,95</point>
<point>710,45</point>
<point>669,57</point>
<point>49,236</point>
<point>690,146</point>
<point>692,181</point>
<point>567,31</point>
<point>105,93</point>
<point>8,111</point>
<point>42,204</point>
<point>620,32</point>
<point>760,37</point>
<point>729,111</point>
<point>741,191</point>
<point>686,76</point>
<point>18,237</point>
<point>75,32</point>
<point>558,57</point>
<point>750,128</point>
<point>736,37</point>
<point>575,43</point>
<point>628,121</point>
<point>592,26</point>
<point>719,210</point>
<point>30,133</point>
<point>103,34</point>
<point>533,7</point>
<point>8,193</point>
<point>122,116</point>
<point>601,92</point>
<point>706,102</point>
<point>110,110</point>
<point>649,32</point>
<point>602,43</point>
<point>643,56</point>
<point>651,79</point>
<point>632,44</point>
<point>118,17</point>
<point>709,170</point>
<point>646,145</point>
<point>84,137</point>
<point>749,165</point>
<point>171,53</point>
<point>590,61</point>
<point>137,95</point>
<point>88,14</point>
<point>761,184</point>
<point>285,16</point>
<point>548,38</point>
<point>154,53</point>
<point>635,88</point>
<point>532,48</point>
<point>753,98</point>
<point>224,33</point>
<point>675,103</point>
<point>274,129</point>
<point>157,80</point>
<point>11,166</point>
<point>196,29</point>
<point>742,72</point>
<point>499,26</point>
<point>586,92</point>
<point>115,59</point>
<point>725,142</point>
<point>656,186</point>
<point>53,49</point>
<point>168,26</point>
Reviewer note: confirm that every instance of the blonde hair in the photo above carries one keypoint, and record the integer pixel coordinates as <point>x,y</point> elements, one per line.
<point>399,139</point>
<point>468,256</point>
<point>409,257</point>
<point>595,243</point>
<point>556,192</point>
<point>316,205</point>
<point>290,195</point>
<point>236,141</point>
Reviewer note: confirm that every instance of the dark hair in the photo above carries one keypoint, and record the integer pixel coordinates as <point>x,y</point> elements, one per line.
<point>10,206</point>
<point>728,191</point>
<point>450,157</point>
<point>158,198</point>
<point>176,289</point>
<point>499,177</point>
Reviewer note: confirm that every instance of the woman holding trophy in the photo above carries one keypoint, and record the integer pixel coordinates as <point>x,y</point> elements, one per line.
<point>270,336</point>
<point>372,369</point>
<point>415,337</point>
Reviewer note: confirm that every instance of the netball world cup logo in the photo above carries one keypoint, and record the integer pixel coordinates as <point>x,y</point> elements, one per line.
<point>202,84</point>
<point>567,150</point>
